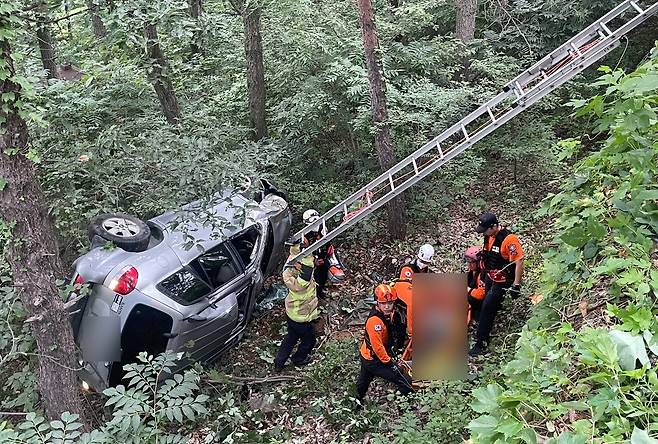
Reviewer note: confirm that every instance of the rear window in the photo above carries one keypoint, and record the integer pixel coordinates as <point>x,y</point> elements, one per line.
<point>184,287</point>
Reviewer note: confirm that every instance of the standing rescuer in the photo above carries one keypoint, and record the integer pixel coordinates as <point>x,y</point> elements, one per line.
<point>301,310</point>
<point>503,263</point>
<point>321,272</point>
<point>376,348</point>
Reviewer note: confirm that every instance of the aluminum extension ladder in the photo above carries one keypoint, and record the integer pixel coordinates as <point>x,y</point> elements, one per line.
<point>564,63</point>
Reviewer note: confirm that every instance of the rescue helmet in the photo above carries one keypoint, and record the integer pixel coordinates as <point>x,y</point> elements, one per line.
<point>426,253</point>
<point>406,273</point>
<point>310,216</point>
<point>385,293</point>
<point>472,253</point>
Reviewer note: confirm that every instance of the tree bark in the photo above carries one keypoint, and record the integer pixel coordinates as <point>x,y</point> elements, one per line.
<point>253,48</point>
<point>465,22</point>
<point>195,12</point>
<point>159,76</point>
<point>33,257</point>
<point>96,21</point>
<point>395,208</point>
<point>45,41</point>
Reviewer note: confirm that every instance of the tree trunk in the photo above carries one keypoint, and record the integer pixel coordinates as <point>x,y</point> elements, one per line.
<point>34,259</point>
<point>253,47</point>
<point>465,22</point>
<point>159,76</point>
<point>96,21</point>
<point>396,216</point>
<point>195,12</point>
<point>45,40</point>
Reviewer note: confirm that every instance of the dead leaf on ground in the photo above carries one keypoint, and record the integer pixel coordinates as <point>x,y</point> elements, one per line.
<point>582,306</point>
<point>536,298</point>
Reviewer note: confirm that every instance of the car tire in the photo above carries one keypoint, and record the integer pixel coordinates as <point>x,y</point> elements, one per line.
<point>125,231</point>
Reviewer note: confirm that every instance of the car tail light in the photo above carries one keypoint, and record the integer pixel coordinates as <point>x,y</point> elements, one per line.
<point>125,281</point>
<point>79,280</point>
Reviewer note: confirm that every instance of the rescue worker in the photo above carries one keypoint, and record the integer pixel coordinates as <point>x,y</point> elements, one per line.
<point>321,255</point>
<point>376,348</point>
<point>301,309</point>
<point>503,263</point>
<point>475,281</point>
<point>403,289</point>
<point>420,264</point>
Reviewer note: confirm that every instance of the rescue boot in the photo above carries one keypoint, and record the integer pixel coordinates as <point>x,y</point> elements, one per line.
<point>478,349</point>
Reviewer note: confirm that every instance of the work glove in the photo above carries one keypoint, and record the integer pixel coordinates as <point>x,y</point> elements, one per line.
<point>395,367</point>
<point>306,272</point>
<point>515,291</point>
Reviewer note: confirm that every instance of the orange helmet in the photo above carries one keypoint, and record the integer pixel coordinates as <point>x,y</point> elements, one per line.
<point>385,293</point>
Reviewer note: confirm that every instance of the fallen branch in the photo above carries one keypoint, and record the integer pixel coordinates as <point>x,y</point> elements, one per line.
<point>250,380</point>
<point>12,414</point>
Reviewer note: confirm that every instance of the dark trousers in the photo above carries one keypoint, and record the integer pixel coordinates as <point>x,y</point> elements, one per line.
<point>492,302</point>
<point>302,332</point>
<point>476,307</point>
<point>372,368</point>
<point>320,275</point>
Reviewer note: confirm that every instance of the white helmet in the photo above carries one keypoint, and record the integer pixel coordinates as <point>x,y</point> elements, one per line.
<point>310,216</point>
<point>426,253</point>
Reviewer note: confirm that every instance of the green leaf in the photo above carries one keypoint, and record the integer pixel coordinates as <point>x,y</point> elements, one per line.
<point>640,436</point>
<point>576,237</point>
<point>630,349</point>
<point>509,427</point>
<point>485,399</point>
<point>3,183</point>
<point>483,425</point>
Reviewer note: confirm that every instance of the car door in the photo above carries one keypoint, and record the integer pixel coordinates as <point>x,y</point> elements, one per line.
<point>213,283</point>
<point>249,245</point>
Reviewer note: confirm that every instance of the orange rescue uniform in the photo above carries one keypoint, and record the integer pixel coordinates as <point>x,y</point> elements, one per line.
<point>377,338</point>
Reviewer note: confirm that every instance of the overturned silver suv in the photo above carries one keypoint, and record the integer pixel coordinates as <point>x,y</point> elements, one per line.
<point>185,281</point>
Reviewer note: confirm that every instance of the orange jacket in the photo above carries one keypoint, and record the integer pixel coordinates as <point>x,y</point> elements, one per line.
<point>477,291</point>
<point>403,290</point>
<point>377,338</point>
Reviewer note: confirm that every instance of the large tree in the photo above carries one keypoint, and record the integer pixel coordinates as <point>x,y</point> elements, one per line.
<point>32,251</point>
<point>253,48</point>
<point>386,156</point>
<point>465,21</point>
<point>96,20</point>
<point>159,75</point>
<point>196,7</point>
<point>45,40</point>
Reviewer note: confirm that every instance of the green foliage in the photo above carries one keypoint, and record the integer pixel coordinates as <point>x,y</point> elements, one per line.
<point>592,384</point>
<point>144,411</point>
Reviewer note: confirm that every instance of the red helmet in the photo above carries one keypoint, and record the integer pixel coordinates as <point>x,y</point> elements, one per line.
<point>472,253</point>
<point>385,293</point>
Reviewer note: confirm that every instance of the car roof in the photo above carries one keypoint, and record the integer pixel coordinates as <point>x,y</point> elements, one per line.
<point>203,224</point>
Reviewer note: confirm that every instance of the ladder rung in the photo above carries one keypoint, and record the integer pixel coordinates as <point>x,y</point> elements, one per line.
<point>575,48</point>
<point>345,209</point>
<point>637,8</point>
<point>466,136</point>
<point>390,180</point>
<point>520,88</point>
<point>415,165</point>
<point>491,115</point>
<point>438,147</point>
<point>605,28</point>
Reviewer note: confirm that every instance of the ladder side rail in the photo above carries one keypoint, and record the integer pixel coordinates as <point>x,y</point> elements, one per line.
<point>407,161</point>
<point>512,112</point>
